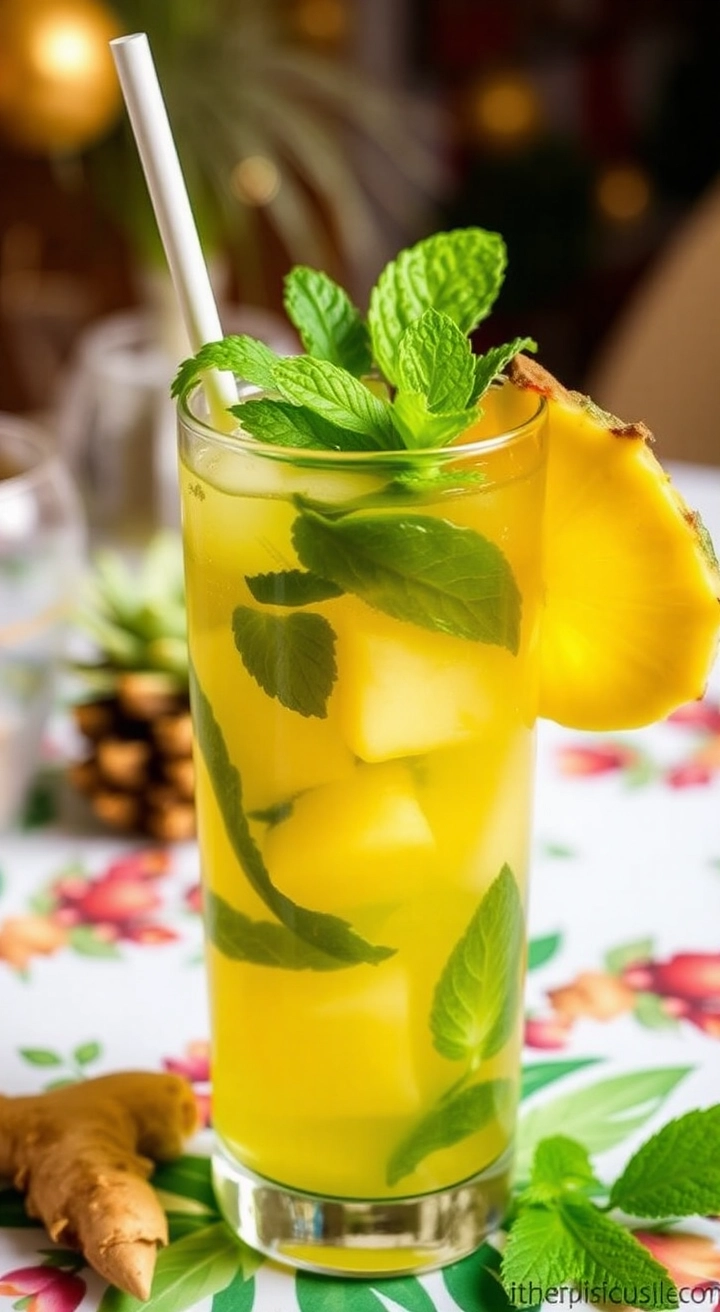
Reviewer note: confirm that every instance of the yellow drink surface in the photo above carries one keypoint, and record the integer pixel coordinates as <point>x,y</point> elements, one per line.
<point>394,812</point>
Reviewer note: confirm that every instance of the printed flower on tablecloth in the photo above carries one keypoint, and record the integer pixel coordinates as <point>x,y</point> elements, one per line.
<point>660,994</point>
<point>52,1286</point>
<point>692,1260</point>
<point>194,1065</point>
<point>698,766</point>
<point>92,915</point>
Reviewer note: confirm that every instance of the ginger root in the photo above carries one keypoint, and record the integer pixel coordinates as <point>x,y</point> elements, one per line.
<point>82,1156</point>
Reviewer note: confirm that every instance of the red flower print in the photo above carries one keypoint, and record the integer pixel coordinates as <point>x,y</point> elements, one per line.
<point>193,898</point>
<point>697,715</point>
<point>194,1065</point>
<point>549,1032</point>
<point>694,976</point>
<point>581,760</point>
<point>692,1260</point>
<point>46,1288</point>
<point>689,775</point>
<point>149,863</point>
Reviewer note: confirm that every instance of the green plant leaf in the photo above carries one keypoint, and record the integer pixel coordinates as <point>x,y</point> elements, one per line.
<point>541,950</point>
<point>291,587</point>
<point>477,998</point>
<point>190,1176</point>
<point>238,1296</point>
<point>475,1282</point>
<point>427,571</point>
<point>599,1115</point>
<point>245,356</point>
<point>40,1057</point>
<point>279,423</point>
<point>489,366</point>
<point>338,397</point>
<point>12,1211</point>
<point>86,1053</point>
<point>629,954</point>
<point>420,427</point>
<point>327,933</point>
<point>448,1123</point>
<point>329,325</point>
<point>542,1073</point>
<point>457,273</point>
<point>291,657</point>
<point>196,1267</point>
<point>560,1165</point>
<point>676,1172</point>
<point>261,941</point>
<point>435,360</point>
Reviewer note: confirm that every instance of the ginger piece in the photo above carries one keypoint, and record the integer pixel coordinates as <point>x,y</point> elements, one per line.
<point>82,1155</point>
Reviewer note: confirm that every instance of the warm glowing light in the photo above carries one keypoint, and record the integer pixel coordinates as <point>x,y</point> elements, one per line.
<point>623,193</point>
<point>255,180</point>
<point>64,47</point>
<point>505,108</point>
<point>322,20</point>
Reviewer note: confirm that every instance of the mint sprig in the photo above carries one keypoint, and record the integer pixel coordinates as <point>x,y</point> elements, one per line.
<point>330,326</point>
<point>448,1123</point>
<point>677,1172</point>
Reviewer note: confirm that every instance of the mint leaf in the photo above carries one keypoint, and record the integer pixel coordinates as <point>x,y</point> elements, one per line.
<point>420,427</point>
<point>328,323</point>
<point>457,273</point>
<point>489,366</point>
<point>476,1002</point>
<point>279,423</point>
<point>241,939</point>
<point>244,356</point>
<point>291,587</point>
<point>447,1124</point>
<point>560,1165</point>
<point>329,934</point>
<point>338,397</point>
<point>292,657</point>
<point>427,571</point>
<point>537,1257</point>
<point>435,360</point>
<point>676,1172</point>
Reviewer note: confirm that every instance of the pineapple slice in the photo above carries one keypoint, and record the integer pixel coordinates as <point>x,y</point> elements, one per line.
<point>355,843</point>
<point>631,618</point>
<point>404,691</point>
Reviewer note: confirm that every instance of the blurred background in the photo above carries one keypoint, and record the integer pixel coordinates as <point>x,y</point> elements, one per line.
<point>331,132</point>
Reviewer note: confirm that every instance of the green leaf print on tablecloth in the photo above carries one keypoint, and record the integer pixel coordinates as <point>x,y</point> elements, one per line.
<point>474,1283</point>
<point>599,1115</point>
<point>542,1073</point>
<point>330,1294</point>
<point>543,949</point>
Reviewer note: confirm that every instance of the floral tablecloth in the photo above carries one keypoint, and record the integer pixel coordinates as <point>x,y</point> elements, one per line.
<point>101,969</point>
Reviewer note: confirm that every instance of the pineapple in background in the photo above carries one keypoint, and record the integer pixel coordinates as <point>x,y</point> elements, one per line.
<point>138,773</point>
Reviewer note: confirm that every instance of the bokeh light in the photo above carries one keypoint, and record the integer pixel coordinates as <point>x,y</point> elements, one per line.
<point>255,180</point>
<point>623,193</point>
<point>505,109</point>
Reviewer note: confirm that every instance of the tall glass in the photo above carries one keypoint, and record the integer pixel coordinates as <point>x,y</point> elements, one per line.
<point>363,637</point>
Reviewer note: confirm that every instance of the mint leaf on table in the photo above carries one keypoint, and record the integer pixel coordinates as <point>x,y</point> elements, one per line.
<point>280,423</point>
<point>457,273</point>
<point>245,356</point>
<point>575,1244</point>
<point>451,1121</point>
<point>489,366</point>
<point>435,360</point>
<point>676,1172</point>
<point>560,1165</point>
<point>337,397</point>
<point>417,568</point>
<point>266,944</point>
<point>477,997</point>
<point>329,934</point>
<point>291,657</point>
<point>291,587</point>
<point>330,326</point>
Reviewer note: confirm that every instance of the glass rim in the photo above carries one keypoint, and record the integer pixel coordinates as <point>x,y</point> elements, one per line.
<point>33,437</point>
<point>319,455</point>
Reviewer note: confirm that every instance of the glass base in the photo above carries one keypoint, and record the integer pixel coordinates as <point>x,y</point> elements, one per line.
<point>359,1237</point>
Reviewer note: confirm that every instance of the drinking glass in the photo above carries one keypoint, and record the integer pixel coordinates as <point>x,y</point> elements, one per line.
<point>41,552</point>
<point>363,632</point>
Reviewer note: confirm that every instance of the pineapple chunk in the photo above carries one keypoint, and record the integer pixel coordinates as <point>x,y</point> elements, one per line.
<point>321,1049</point>
<point>404,690</point>
<point>357,842</point>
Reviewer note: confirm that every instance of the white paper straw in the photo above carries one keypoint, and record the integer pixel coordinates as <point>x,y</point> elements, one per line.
<point>156,147</point>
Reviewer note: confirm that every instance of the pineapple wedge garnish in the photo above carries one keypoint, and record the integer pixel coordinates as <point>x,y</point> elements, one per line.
<point>632,612</point>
